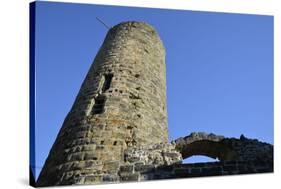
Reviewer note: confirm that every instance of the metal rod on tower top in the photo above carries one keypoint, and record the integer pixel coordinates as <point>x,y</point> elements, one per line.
<point>103,23</point>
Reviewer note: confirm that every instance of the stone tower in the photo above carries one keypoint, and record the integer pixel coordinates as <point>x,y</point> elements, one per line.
<point>121,104</point>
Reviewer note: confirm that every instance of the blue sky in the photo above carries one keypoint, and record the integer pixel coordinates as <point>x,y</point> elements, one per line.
<point>219,68</point>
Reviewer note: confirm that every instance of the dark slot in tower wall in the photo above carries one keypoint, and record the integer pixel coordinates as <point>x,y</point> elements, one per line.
<point>107,82</point>
<point>98,107</point>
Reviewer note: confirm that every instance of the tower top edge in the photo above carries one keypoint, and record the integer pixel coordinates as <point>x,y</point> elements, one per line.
<point>127,27</point>
<point>135,24</point>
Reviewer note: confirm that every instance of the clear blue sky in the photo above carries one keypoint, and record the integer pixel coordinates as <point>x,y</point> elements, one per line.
<point>219,67</point>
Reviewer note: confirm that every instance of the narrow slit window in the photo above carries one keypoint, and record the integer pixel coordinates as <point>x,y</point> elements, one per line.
<point>98,107</point>
<point>107,82</point>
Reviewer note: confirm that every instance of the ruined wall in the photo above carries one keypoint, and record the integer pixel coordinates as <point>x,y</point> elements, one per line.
<point>224,149</point>
<point>141,172</point>
<point>121,104</point>
<point>164,161</point>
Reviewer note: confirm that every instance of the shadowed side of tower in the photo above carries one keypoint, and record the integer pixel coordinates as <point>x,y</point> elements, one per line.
<point>121,103</point>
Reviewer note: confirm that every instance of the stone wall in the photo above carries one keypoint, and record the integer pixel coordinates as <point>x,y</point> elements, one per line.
<point>224,149</point>
<point>156,154</point>
<point>140,172</point>
<point>236,156</point>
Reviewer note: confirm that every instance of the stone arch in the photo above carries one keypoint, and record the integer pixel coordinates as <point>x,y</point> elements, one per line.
<point>207,148</point>
<point>209,145</point>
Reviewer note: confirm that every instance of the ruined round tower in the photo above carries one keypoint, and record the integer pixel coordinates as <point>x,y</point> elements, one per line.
<point>121,104</point>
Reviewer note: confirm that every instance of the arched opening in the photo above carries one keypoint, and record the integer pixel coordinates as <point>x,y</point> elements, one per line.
<point>218,151</point>
<point>199,159</point>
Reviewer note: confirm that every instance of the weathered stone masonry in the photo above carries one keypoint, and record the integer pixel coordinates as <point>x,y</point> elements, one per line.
<point>163,161</point>
<point>121,103</point>
<point>116,130</point>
